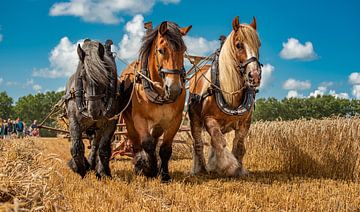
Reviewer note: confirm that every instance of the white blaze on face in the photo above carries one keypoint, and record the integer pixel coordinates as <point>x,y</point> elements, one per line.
<point>253,67</point>
<point>249,54</point>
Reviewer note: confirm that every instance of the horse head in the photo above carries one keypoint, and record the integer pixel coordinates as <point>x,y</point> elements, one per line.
<point>95,77</point>
<point>246,44</point>
<point>164,48</point>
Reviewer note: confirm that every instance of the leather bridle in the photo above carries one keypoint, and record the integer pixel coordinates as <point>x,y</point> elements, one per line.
<point>81,97</point>
<point>242,66</point>
<point>162,71</point>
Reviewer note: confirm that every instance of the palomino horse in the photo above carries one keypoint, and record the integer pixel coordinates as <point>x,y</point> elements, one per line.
<point>90,100</point>
<point>157,104</point>
<point>222,98</point>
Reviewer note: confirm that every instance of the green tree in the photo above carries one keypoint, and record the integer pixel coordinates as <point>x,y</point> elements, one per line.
<point>5,105</point>
<point>314,107</point>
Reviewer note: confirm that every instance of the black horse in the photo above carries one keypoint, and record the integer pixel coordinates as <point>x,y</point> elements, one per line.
<point>91,99</point>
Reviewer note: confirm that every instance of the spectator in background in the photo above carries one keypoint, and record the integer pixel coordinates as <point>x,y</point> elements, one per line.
<point>34,129</point>
<point>11,128</point>
<point>1,129</point>
<point>19,128</point>
<point>5,126</point>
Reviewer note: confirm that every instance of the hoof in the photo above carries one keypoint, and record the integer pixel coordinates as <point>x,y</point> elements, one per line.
<point>243,172</point>
<point>145,165</point>
<point>81,170</point>
<point>165,178</point>
<point>100,176</point>
<point>201,171</point>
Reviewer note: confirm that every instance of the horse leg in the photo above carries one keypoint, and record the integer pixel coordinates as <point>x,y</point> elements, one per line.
<point>198,144</point>
<point>220,158</point>
<point>166,148</point>
<point>94,150</point>
<point>135,140</point>
<point>238,149</point>
<point>78,163</point>
<point>104,152</point>
<point>145,159</point>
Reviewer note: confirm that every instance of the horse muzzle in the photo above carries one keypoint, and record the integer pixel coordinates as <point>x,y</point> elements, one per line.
<point>172,92</point>
<point>254,78</point>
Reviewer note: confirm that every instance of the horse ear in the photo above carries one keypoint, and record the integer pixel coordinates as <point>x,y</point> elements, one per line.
<point>80,53</point>
<point>101,51</point>
<point>163,28</point>
<point>253,23</point>
<point>236,23</point>
<point>148,25</point>
<point>185,30</point>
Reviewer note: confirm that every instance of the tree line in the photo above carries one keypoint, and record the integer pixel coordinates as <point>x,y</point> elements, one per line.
<point>36,107</point>
<point>297,108</point>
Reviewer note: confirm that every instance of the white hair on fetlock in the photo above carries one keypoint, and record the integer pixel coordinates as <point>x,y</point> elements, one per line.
<point>212,161</point>
<point>224,163</point>
<point>228,164</point>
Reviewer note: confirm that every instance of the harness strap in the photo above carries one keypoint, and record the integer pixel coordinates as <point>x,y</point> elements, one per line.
<point>94,97</point>
<point>150,92</point>
<point>242,66</point>
<point>250,92</point>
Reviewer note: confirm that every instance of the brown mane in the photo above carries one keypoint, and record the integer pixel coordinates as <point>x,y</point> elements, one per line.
<point>173,36</point>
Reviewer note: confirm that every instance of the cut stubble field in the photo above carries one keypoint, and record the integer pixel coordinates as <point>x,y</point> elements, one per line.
<point>293,165</point>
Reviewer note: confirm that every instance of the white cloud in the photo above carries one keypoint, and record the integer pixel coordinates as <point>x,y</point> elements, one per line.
<point>339,95</point>
<point>292,84</point>
<point>1,35</point>
<point>37,87</point>
<point>326,84</point>
<point>293,49</point>
<point>200,46</point>
<point>356,91</point>
<point>62,88</point>
<point>131,41</point>
<point>354,78</point>
<point>170,1</point>
<point>267,71</point>
<point>108,12</point>
<point>320,91</point>
<point>1,80</point>
<point>294,94</point>
<point>134,31</point>
<point>29,82</point>
<point>63,61</point>
<point>12,83</point>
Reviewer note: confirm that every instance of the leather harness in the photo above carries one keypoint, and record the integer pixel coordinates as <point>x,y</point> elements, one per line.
<point>249,92</point>
<point>81,97</point>
<point>150,92</point>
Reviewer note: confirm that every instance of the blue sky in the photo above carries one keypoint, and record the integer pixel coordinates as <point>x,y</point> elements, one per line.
<point>308,47</point>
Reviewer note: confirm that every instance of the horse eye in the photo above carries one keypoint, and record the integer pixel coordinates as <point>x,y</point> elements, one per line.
<point>239,46</point>
<point>161,51</point>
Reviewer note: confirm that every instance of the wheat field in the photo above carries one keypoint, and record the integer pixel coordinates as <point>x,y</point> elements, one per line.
<point>311,165</point>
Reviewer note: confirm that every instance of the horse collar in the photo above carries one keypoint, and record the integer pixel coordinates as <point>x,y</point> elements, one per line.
<point>150,92</point>
<point>249,98</point>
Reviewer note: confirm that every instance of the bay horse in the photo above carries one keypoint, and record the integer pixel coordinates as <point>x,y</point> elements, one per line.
<point>157,105</point>
<point>90,99</point>
<point>222,98</point>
